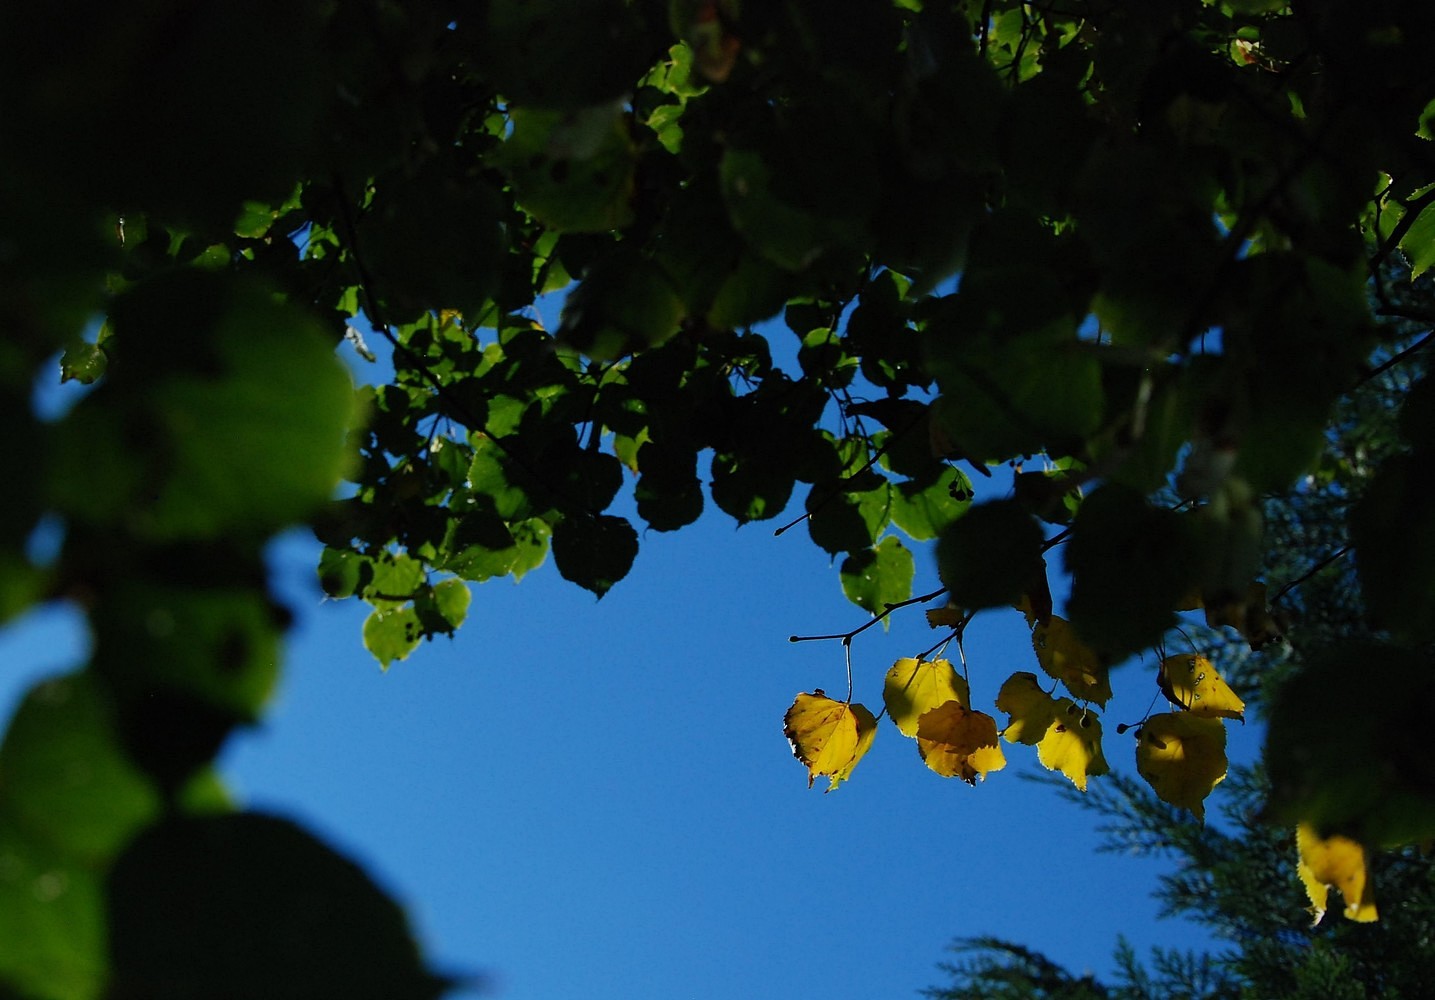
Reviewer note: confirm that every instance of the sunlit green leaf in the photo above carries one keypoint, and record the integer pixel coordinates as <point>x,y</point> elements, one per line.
<point>392,633</point>
<point>877,577</point>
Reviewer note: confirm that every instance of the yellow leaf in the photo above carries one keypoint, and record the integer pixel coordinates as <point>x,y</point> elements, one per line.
<point>1024,606</point>
<point>1032,710</point>
<point>1067,738</point>
<point>1068,659</point>
<point>1192,682</point>
<point>915,687</point>
<point>1072,744</point>
<point>1182,756</point>
<point>1337,862</point>
<point>957,742</point>
<point>948,617</point>
<point>828,736</point>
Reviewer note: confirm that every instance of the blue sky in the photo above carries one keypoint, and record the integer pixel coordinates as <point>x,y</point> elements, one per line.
<point>585,798</point>
<point>595,798</point>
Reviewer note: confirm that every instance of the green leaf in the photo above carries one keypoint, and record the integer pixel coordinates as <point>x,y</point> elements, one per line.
<point>876,577</point>
<point>670,506</point>
<point>986,558</point>
<point>392,633</point>
<point>624,304</point>
<point>51,920</point>
<point>68,783</point>
<point>1393,529</point>
<point>217,643</point>
<point>396,579</point>
<point>750,488</point>
<point>1048,495</point>
<point>444,609</point>
<point>530,537</point>
<point>252,905</point>
<point>554,54</point>
<point>84,363</point>
<point>1004,400</point>
<point>1131,566</point>
<point>343,572</point>
<point>229,415</point>
<point>433,239</point>
<point>788,237</point>
<point>574,173</point>
<point>594,552</point>
<point>755,289</point>
<point>488,476</point>
<point>482,547</point>
<point>1418,243</point>
<point>1347,742</point>
<point>842,520</point>
<point>924,507</point>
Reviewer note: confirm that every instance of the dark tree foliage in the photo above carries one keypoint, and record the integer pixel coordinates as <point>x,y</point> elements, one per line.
<point>1131,237</point>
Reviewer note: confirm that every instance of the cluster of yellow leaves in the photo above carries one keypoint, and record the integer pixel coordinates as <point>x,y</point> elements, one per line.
<point>1181,754</point>
<point>930,701</point>
<point>1067,737</point>
<point>927,701</point>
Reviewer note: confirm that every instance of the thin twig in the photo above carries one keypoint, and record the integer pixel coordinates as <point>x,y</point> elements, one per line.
<point>832,495</point>
<point>847,637</point>
<point>1394,360</point>
<point>1337,554</point>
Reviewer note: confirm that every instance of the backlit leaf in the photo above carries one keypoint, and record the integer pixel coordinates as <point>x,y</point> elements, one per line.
<point>1064,656</point>
<point>392,633</point>
<point>1067,736</point>
<point>83,362</point>
<point>1072,744</point>
<point>914,687</point>
<point>879,576</point>
<point>1182,757</point>
<point>1335,862</point>
<point>924,508</point>
<point>959,743</point>
<point>829,737</point>
<point>1032,710</point>
<point>1191,682</point>
<point>946,617</point>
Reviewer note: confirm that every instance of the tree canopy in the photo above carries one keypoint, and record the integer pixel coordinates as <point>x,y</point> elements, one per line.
<point>1118,257</point>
